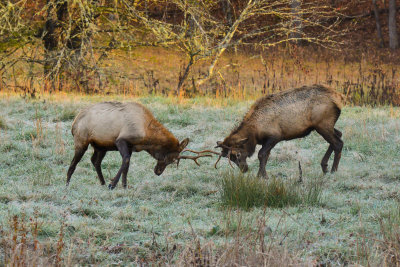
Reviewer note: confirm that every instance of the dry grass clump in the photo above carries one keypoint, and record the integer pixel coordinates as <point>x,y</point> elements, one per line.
<point>244,250</point>
<point>390,243</point>
<point>19,245</point>
<point>240,252</point>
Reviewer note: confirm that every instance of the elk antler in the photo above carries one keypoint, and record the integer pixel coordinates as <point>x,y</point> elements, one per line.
<point>194,158</point>
<point>215,165</point>
<point>229,158</point>
<point>200,154</point>
<point>220,144</point>
<point>220,155</point>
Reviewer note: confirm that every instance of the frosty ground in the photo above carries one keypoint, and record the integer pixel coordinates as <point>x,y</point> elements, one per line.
<point>156,212</point>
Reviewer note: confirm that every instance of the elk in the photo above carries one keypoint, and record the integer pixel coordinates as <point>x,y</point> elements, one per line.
<point>284,116</point>
<point>126,127</point>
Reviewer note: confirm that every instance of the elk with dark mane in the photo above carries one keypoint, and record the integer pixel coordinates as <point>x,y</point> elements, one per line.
<point>284,116</point>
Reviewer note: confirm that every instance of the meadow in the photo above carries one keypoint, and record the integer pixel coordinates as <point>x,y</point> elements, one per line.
<point>181,217</point>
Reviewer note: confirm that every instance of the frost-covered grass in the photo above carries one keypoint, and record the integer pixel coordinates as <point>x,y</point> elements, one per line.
<point>156,214</point>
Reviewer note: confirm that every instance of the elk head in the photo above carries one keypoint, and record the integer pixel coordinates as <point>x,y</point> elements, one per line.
<point>166,158</point>
<point>236,151</point>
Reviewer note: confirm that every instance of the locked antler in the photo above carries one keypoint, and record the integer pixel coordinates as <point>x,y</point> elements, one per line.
<point>200,154</point>
<point>219,144</point>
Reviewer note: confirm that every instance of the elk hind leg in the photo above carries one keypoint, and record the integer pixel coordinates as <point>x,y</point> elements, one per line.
<point>97,158</point>
<point>335,144</point>
<point>79,152</point>
<point>338,151</point>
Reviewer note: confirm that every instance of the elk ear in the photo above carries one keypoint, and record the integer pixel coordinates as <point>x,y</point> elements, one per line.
<point>219,144</point>
<point>242,141</point>
<point>183,144</point>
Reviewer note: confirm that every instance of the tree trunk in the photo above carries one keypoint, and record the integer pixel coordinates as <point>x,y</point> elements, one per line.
<point>378,24</point>
<point>56,13</point>
<point>182,78</point>
<point>49,40</point>
<point>227,10</point>
<point>297,27</point>
<point>393,36</point>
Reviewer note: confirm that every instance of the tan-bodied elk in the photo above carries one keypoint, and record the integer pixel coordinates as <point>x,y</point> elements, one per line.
<point>126,127</point>
<point>284,116</point>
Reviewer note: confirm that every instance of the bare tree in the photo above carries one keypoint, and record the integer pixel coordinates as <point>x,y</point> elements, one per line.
<point>74,36</point>
<point>378,24</point>
<point>393,36</point>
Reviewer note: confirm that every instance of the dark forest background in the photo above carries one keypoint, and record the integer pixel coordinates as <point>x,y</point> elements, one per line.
<point>221,48</point>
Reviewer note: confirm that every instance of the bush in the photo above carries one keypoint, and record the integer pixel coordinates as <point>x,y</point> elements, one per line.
<point>246,191</point>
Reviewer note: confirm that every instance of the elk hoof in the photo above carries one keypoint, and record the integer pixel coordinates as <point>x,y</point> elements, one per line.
<point>324,168</point>
<point>262,175</point>
<point>111,187</point>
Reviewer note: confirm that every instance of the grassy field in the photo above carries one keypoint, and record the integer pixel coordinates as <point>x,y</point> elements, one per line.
<point>161,219</point>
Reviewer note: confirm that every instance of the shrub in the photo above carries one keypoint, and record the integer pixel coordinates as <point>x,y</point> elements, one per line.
<point>246,191</point>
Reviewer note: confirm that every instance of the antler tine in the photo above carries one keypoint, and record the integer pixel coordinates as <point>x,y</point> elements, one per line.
<point>229,158</point>
<point>215,165</point>
<point>201,152</point>
<point>194,158</point>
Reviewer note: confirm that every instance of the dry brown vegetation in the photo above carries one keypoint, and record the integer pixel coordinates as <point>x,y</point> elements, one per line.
<point>364,78</point>
<point>21,247</point>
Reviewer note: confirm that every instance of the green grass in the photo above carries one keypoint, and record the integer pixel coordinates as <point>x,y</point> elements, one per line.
<point>3,124</point>
<point>247,191</point>
<point>325,219</point>
<point>68,113</point>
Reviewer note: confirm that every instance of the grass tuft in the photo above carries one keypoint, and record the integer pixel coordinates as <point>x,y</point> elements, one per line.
<point>68,113</point>
<point>243,191</point>
<point>3,124</point>
<point>390,232</point>
<point>246,191</point>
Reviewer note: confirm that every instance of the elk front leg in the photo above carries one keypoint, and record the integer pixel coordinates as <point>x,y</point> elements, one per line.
<point>263,156</point>
<point>123,148</point>
<point>125,172</point>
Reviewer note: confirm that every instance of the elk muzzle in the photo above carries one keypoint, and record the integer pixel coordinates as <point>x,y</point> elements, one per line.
<point>243,167</point>
<point>159,168</point>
